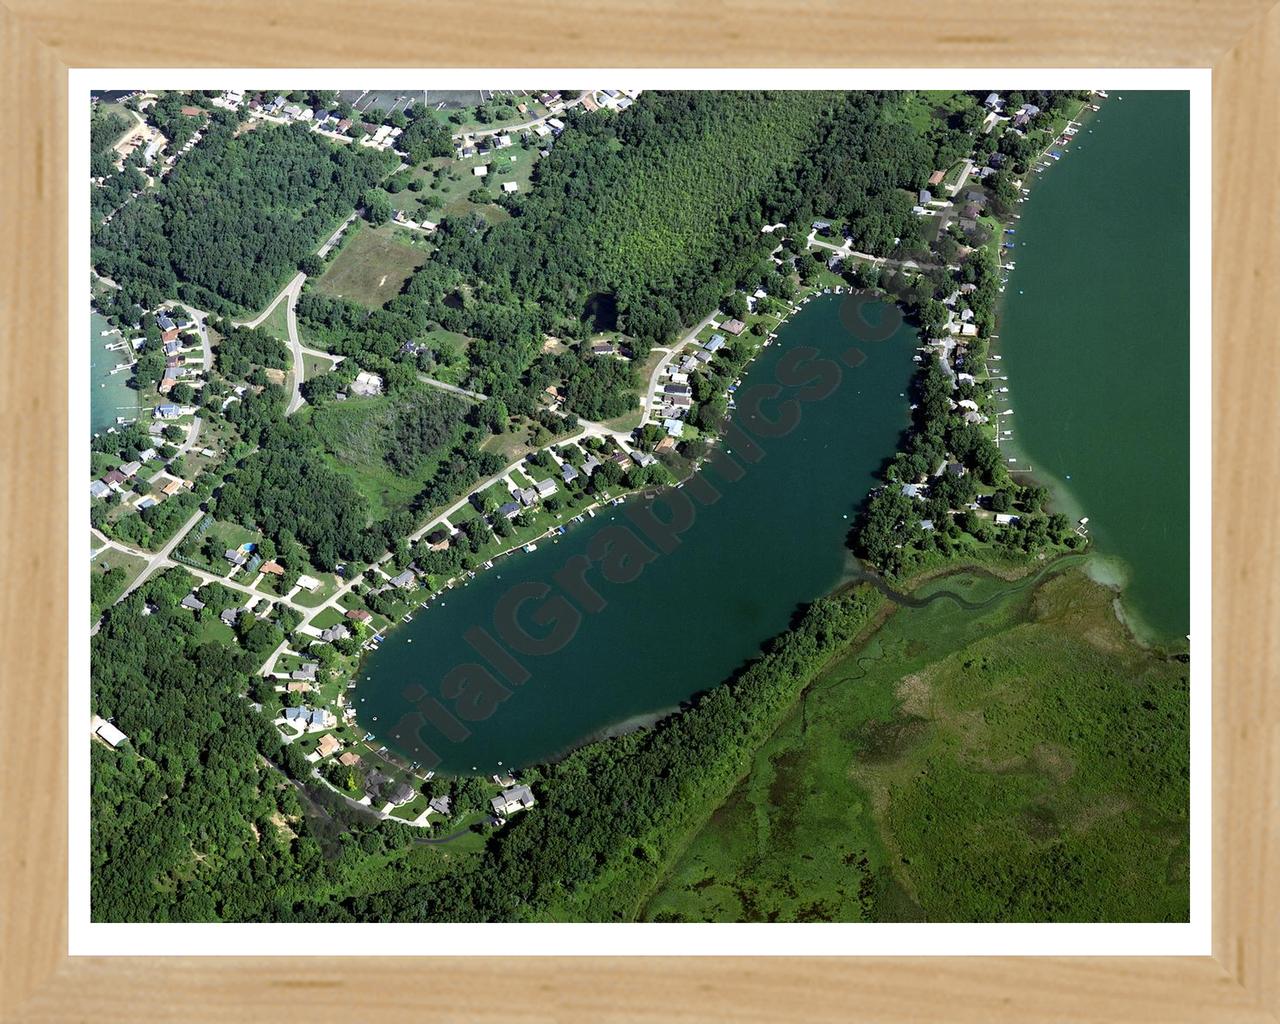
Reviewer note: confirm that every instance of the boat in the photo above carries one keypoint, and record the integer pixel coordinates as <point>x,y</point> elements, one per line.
<point>531,547</point>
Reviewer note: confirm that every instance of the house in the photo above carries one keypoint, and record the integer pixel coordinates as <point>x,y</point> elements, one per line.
<point>367,384</point>
<point>321,718</point>
<point>569,473</point>
<point>591,465</point>
<point>603,348</point>
<point>822,225</point>
<point>480,170</point>
<point>545,488</point>
<point>1004,519</point>
<point>926,197</point>
<point>328,745</point>
<point>192,602</point>
<point>517,798</point>
<point>440,804</point>
<point>676,389</point>
<point>98,489</point>
<point>147,456</point>
<point>527,496</point>
<point>167,412</point>
<point>298,715</point>
<point>299,687</point>
<point>359,615</point>
<point>273,568</point>
<point>146,503</point>
<point>405,580</point>
<point>509,509</point>
<point>350,759</point>
<point>926,525</point>
<point>643,458</point>
<point>509,187</point>
<point>229,616</point>
<point>992,101</point>
<point>402,794</point>
<point>970,211</point>
<point>734,327</point>
<point>715,344</point>
<point>668,443</point>
<point>306,672</point>
<point>936,177</point>
<point>235,556</point>
<point>555,124</point>
<point>164,322</point>
<point>674,428</point>
<point>703,356</point>
<point>308,583</point>
<point>680,401</point>
<point>913,490</point>
<point>173,487</point>
<point>109,734</point>
<point>333,633</point>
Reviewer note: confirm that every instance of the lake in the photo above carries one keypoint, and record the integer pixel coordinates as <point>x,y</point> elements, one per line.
<point>667,624</point>
<point>110,396</point>
<point>1095,340</point>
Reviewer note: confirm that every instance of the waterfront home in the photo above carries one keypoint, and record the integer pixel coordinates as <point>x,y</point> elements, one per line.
<point>1004,519</point>
<point>350,759</point>
<point>733,326</point>
<point>333,633</point>
<point>680,401</point>
<point>509,510</point>
<point>306,672</point>
<point>328,745</point>
<point>677,389</point>
<point>359,615</point>
<point>715,344</point>
<point>643,458</point>
<point>703,356</point>
<point>405,580</point>
<point>679,378</point>
<point>913,490</point>
<point>527,496</point>
<point>673,427</point>
<point>516,798</point>
<point>591,465</point>
<point>668,443</point>
<point>192,602</point>
<point>167,412</point>
<point>569,473</point>
<point>298,687</point>
<point>401,794</point>
<point>440,804</point>
<point>546,488</point>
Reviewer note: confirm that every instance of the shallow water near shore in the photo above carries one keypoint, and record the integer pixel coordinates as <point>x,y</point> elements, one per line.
<point>1095,341</point>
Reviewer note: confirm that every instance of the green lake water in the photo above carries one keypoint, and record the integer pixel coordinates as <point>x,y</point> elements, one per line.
<point>773,541</point>
<point>110,395</point>
<point>1095,341</point>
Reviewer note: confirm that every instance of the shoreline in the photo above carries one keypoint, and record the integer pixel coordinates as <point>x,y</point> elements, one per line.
<point>392,757</point>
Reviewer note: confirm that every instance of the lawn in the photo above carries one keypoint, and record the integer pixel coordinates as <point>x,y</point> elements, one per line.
<point>372,266</point>
<point>1021,760</point>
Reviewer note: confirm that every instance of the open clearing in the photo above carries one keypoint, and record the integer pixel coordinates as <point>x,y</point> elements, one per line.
<point>372,267</point>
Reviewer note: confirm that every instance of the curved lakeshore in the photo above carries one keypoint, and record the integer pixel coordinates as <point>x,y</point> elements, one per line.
<point>1093,335</point>
<point>663,612</point>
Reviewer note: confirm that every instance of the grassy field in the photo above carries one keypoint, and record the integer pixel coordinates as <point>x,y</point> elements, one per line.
<point>356,436</point>
<point>1021,760</point>
<point>372,266</point>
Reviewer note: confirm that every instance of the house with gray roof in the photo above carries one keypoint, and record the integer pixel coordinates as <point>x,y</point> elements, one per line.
<point>192,602</point>
<point>517,798</point>
<point>545,488</point>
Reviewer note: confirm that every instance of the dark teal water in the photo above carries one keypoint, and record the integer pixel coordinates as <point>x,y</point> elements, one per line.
<point>1096,341</point>
<point>772,541</point>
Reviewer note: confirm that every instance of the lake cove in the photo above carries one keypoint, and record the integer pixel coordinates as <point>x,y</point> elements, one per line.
<point>1094,339</point>
<point>111,395</point>
<point>680,591</point>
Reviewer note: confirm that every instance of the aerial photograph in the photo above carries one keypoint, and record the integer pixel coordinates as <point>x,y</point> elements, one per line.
<point>638,505</point>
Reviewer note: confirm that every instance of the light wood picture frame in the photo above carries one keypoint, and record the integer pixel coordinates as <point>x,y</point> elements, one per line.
<point>1239,982</point>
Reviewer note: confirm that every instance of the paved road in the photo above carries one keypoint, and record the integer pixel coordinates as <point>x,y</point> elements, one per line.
<point>453,388</point>
<point>652,390</point>
<point>290,294</point>
<point>161,557</point>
